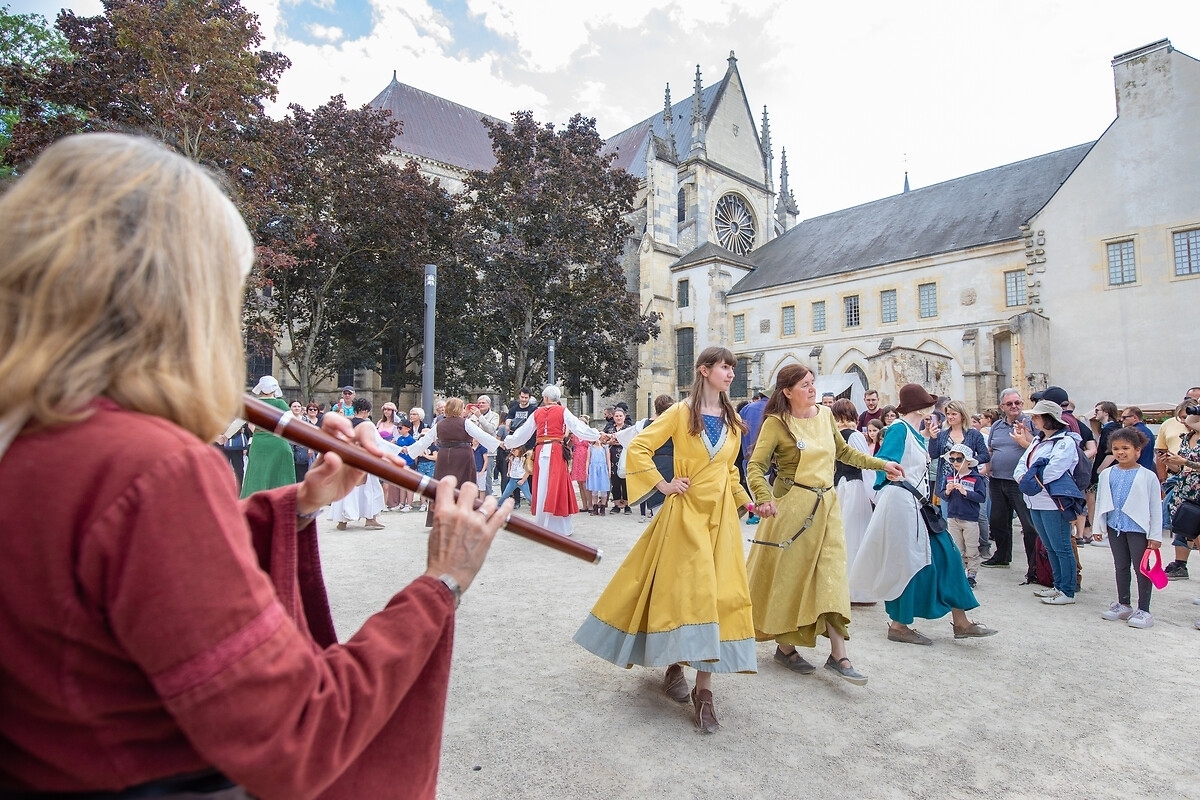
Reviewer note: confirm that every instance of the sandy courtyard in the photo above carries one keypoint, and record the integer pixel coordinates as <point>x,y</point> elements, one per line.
<point>1060,704</point>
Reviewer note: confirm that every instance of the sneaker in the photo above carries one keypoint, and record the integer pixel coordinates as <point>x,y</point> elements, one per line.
<point>1169,568</point>
<point>1101,543</point>
<point>971,581</point>
<point>404,509</point>
<point>1049,591</point>
<point>752,520</point>
<point>1116,611</point>
<point>1059,599</point>
<point>1180,573</point>
<point>1141,619</point>
<point>992,562</point>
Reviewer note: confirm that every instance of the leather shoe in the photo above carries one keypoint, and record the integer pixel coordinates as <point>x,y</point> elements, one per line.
<point>675,684</point>
<point>973,631</point>
<point>908,636</point>
<point>794,661</point>
<point>706,714</point>
<point>991,562</point>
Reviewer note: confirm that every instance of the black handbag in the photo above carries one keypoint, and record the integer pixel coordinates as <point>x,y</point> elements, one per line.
<point>929,512</point>
<point>1186,522</point>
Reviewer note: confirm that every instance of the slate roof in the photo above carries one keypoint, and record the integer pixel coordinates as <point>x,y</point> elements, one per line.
<point>631,143</point>
<point>711,250</point>
<point>436,128</point>
<point>984,208</point>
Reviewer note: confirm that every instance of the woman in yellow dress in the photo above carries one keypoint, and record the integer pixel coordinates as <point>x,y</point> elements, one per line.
<point>797,565</point>
<point>680,597</point>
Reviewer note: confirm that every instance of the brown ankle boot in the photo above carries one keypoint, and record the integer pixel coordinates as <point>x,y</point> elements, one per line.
<point>706,714</point>
<point>675,684</point>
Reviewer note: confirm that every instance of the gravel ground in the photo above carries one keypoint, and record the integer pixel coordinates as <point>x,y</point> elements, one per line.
<point>1060,704</point>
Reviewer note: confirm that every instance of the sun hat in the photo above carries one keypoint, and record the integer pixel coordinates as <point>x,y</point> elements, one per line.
<point>268,386</point>
<point>913,397</point>
<point>962,450</point>
<point>1049,408</point>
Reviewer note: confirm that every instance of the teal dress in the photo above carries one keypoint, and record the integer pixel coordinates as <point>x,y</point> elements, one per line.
<point>272,462</point>
<point>941,585</point>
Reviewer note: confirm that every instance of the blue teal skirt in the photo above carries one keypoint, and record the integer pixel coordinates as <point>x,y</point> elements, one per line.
<point>939,587</point>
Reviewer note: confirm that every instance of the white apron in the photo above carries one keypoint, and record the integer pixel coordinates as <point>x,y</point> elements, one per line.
<point>896,544</point>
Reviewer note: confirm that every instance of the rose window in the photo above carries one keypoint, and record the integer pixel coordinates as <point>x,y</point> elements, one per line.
<point>735,224</point>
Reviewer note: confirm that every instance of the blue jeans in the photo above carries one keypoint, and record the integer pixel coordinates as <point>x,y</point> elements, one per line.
<point>1056,531</point>
<point>512,486</point>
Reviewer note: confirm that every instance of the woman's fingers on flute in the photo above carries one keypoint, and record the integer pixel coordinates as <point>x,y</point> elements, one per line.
<point>461,534</point>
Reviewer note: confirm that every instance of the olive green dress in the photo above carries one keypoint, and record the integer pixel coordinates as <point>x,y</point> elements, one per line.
<point>796,591</point>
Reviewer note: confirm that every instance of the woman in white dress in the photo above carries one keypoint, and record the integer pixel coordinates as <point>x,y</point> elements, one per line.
<point>365,501</point>
<point>918,575</point>
<point>853,487</point>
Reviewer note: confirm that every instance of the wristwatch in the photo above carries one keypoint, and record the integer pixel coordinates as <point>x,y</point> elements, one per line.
<point>453,586</point>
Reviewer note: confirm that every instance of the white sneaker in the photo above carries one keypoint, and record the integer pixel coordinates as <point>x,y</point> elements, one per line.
<point>1141,619</point>
<point>1101,543</point>
<point>1117,611</point>
<point>1059,599</point>
<point>1049,591</point>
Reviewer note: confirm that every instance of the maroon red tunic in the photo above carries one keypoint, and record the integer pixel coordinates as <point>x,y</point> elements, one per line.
<point>153,625</point>
<point>560,494</point>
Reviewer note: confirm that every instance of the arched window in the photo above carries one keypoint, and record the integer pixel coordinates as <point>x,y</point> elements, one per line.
<point>681,205</point>
<point>855,369</point>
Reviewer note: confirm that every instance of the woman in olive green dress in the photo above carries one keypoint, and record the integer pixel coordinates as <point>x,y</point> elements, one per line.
<point>797,565</point>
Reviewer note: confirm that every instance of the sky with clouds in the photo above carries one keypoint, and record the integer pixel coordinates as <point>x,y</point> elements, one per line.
<point>856,92</point>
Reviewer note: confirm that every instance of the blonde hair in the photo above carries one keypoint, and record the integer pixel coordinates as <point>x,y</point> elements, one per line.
<point>963,414</point>
<point>454,407</point>
<point>121,272</point>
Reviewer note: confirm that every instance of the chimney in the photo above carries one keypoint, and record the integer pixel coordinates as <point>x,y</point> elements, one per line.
<point>1141,79</point>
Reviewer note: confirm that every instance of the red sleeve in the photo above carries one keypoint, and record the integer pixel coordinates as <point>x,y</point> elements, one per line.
<point>173,568</point>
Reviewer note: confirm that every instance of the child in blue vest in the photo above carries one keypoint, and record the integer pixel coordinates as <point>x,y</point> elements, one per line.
<point>965,491</point>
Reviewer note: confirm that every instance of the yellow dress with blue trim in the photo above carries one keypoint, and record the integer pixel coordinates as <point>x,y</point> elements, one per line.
<point>681,594</point>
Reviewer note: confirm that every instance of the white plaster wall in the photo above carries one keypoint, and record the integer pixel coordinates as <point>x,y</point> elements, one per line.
<point>970,296</point>
<point>1140,181</point>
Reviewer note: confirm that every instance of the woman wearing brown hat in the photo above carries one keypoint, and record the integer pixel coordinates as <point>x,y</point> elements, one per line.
<point>918,575</point>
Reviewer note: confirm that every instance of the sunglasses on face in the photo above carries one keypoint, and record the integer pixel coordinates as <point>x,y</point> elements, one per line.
<point>956,460</point>
<point>1013,403</point>
<point>1128,416</point>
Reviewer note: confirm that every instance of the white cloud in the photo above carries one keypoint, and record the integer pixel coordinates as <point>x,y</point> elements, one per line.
<point>330,33</point>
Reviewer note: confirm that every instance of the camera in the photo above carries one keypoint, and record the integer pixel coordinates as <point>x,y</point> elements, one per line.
<point>1192,411</point>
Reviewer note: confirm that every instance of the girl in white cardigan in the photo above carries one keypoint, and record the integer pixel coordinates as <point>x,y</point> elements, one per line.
<point>1129,512</point>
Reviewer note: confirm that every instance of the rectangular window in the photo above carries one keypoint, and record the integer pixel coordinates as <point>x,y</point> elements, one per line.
<point>1121,268</point>
<point>739,327</point>
<point>1014,288</point>
<point>683,294</point>
<point>739,387</point>
<point>852,318</point>
<point>887,305</point>
<point>685,356</point>
<point>819,315</point>
<point>1187,252</point>
<point>927,299</point>
<point>789,320</point>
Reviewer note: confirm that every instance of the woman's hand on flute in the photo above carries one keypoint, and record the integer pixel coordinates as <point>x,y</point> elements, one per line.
<point>462,534</point>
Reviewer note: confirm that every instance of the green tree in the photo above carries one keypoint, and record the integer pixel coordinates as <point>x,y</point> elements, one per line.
<point>187,72</point>
<point>547,230</point>
<point>27,43</point>
<point>343,239</point>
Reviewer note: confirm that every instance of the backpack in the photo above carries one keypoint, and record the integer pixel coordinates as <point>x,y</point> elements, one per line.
<point>1082,473</point>
<point>1043,573</point>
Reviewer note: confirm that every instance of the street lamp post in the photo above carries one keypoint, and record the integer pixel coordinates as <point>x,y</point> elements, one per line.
<point>430,316</point>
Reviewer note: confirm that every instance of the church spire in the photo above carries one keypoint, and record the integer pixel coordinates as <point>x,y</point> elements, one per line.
<point>667,116</point>
<point>786,210</point>
<point>698,114</point>
<point>766,135</point>
<point>905,182</point>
